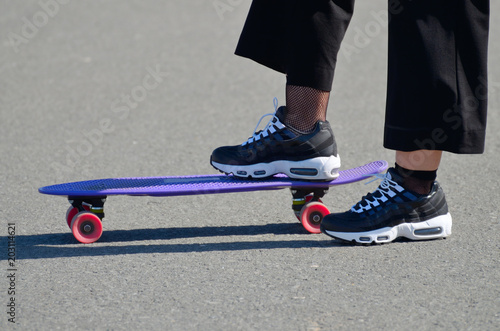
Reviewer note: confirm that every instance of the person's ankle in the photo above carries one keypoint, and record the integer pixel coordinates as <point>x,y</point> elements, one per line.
<point>417,181</point>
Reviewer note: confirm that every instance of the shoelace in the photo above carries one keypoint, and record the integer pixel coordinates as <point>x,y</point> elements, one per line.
<point>269,128</point>
<point>382,191</point>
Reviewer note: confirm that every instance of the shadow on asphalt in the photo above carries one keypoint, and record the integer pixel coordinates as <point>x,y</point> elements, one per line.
<point>43,246</point>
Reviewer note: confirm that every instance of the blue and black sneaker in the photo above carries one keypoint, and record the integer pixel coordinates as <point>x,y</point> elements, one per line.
<point>390,212</point>
<point>281,149</point>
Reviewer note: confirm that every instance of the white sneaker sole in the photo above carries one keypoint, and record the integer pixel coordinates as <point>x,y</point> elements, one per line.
<point>435,228</point>
<point>319,168</point>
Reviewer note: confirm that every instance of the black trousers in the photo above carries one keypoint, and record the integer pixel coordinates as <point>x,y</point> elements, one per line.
<point>437,70</point>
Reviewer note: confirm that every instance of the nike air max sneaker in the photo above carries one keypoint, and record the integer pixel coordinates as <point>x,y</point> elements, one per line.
<point>281,149</point>
<point>390,212</point>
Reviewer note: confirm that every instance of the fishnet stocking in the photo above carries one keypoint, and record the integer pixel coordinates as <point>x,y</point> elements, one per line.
<point>305,106</point>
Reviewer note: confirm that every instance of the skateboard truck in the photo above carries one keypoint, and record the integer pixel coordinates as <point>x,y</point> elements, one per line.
<point>301,197</point>
<point>309,208</point>
<point>93,205</point>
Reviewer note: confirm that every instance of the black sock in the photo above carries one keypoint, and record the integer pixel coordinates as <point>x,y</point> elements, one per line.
<point>417,180</point>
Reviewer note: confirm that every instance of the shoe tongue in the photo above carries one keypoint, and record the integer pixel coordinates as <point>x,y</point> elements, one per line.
<point>392,174</point>
<point>389,173</point>
<point>281,113</point>
<point>281,116</point>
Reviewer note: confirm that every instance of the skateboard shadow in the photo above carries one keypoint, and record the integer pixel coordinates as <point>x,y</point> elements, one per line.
<point>43,246</point>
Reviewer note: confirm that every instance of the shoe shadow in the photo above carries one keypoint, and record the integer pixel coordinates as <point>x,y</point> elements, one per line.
<point>43,246</point>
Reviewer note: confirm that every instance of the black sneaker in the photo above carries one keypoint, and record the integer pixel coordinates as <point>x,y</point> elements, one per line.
<point>391,212</point>
<point>280,149</point>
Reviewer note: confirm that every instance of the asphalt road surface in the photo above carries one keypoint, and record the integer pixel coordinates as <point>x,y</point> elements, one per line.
<point>97,89</point>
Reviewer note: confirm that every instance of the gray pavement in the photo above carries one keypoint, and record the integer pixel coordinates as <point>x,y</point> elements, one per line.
<point>96,89</point>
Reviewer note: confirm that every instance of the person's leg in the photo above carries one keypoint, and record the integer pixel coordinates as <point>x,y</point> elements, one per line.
<point>305,107</point>
<point>418,169</point>
<point>316,30</point>
<point>300,39</point>
<point>424,160</point>
<point>436,101</point>
<point>437,76</point>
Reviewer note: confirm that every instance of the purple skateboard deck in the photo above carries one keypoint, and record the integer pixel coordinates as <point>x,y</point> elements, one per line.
<point>84,216</point>
<point>206,184</point>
